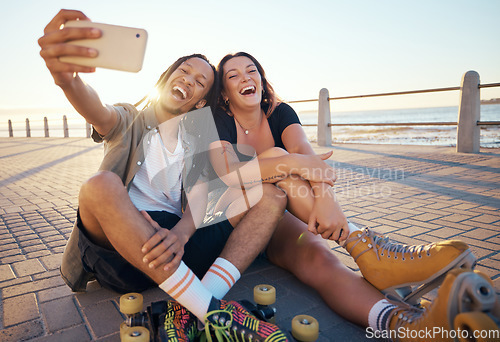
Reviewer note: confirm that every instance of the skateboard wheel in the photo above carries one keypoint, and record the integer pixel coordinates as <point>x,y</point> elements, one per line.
<point>135,334</point>
<point>131,303</point>
<point>123,328</point>
<point>305,328</point>
<point>474,321</point>
<point>264,294</point>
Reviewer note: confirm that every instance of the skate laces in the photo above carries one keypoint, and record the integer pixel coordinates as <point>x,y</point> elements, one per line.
<point>219,325</point>
<point>384,244</point>
<point>223,330</point>
<point>404,312</point>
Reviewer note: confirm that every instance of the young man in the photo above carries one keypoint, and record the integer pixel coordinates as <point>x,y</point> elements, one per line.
<point>143,168</point>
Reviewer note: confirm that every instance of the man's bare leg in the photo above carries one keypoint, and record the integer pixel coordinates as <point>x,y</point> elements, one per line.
<point>254,230</point>
<point>309,258</point>
<point>112,221</point>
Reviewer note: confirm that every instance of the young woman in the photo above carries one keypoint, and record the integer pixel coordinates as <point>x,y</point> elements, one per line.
<point>251,121</point>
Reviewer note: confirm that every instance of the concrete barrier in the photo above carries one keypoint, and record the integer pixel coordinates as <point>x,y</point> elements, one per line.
<point>469,113</point>
<point>324,119</point>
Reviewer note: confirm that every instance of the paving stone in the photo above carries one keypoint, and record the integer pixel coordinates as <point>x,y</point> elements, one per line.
<point>28,267</point>
<point>488,271</point>
<point>52,261</point>
<point>54,293</point>
<point>31,287</point>
<point>426,217</point>
<point>413,231</point>
<point>78,333</point>
<point>37,254</point>
<point>95,293</point>
<point>456,218</point>
<point>46,275</point>
<point>60,314</point>
<point>480,234</point>
<point>104,318</point>
<point>446,233</point>
<point>6,273</point>
<point>112,338</point>
<point>14,281</point>
<point>22,332</point>
<point>50,205</point>
<point>20,309</point>
<point>486,218</point>
<point>429,225</point>
<point>12,259</point>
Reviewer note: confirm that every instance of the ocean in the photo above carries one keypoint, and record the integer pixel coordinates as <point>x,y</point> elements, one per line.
<point>404,135</point>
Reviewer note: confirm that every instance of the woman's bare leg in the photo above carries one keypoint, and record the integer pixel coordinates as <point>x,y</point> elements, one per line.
<point>309,258</point>
<point>299,191</point>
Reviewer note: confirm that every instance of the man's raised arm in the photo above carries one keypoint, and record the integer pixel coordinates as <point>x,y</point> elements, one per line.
<point>83,98</point>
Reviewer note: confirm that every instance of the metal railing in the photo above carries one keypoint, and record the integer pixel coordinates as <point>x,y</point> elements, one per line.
<point>468,123</point>
<point>28,127</point>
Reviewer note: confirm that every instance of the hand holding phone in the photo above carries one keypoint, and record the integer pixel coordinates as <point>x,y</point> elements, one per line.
<point>119,47</point>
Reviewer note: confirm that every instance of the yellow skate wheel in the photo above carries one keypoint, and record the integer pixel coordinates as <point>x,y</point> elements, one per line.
<point>135,334</point>
<point>123,327</point>
<point>475,321</point>
<point>264,294</point>
<point>305,328</point>
<point>131,303</point>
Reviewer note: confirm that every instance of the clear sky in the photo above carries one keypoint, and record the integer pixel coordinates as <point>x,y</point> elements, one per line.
<point>350,47</point>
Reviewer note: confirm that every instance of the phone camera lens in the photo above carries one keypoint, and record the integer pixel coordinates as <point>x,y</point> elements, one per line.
<point>137,35</point>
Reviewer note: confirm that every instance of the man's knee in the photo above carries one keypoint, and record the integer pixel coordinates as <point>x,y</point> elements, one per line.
<point>273,197</point>
<point>102,184</point>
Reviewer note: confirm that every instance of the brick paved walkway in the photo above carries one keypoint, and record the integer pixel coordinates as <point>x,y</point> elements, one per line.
<point>416,193</point>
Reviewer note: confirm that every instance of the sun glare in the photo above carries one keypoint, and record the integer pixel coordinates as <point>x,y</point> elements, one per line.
<point>153,95</point>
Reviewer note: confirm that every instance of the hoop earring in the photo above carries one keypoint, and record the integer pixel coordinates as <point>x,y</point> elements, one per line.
<point>226,102</point>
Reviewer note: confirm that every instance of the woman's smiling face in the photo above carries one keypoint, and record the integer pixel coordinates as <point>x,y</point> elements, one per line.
<point>242,83</point>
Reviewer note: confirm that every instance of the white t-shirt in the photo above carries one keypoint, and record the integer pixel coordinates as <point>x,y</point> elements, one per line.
<point>157,184</point>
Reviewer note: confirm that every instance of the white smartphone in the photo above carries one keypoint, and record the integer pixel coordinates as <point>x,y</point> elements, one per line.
<point>120,48</point>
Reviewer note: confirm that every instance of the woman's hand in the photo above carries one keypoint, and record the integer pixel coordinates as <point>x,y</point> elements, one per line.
<point>165,248</point>
<point>327,219</point>
<point>54,45</point>
<point>314,168</point>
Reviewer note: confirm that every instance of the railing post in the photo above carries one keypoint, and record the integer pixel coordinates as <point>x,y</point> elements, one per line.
<point>11,131</point>
<point>469,113</point>
<point>28,130</point>
<point>46,127</point>
<point>65,126</point>
<point>88,129</point>
<point>324,130</point>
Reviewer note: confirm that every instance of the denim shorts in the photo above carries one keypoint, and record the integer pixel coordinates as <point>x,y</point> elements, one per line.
<point>117,274</point>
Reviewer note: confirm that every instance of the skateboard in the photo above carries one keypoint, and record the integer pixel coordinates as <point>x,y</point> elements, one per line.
<point>146,326</point>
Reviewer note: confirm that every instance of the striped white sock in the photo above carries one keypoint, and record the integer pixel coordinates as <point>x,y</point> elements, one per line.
<point>378,318</point>
<point>221,276</point>
<point>187,289</point>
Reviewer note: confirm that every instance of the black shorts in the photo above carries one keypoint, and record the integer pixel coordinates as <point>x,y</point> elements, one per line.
<point>117,274</point>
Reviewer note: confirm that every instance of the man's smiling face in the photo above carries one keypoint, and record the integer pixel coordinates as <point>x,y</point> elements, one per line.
<point>187,87</point>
